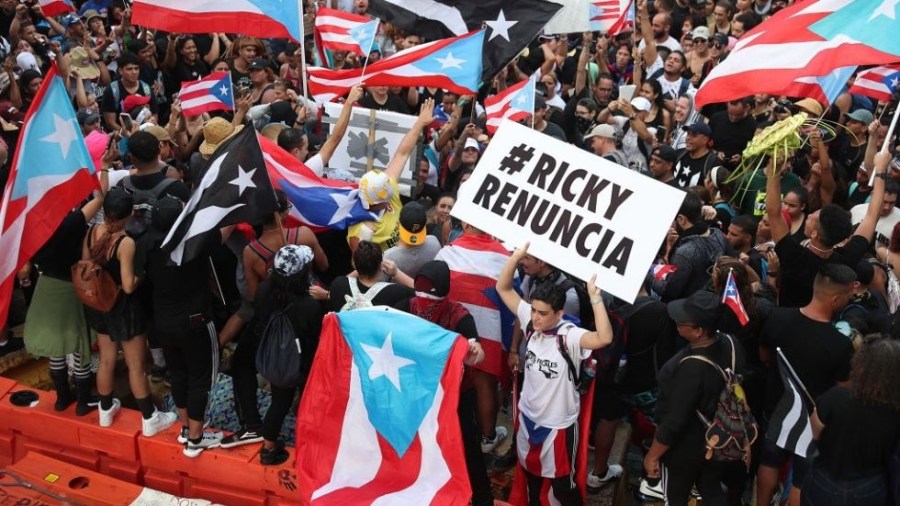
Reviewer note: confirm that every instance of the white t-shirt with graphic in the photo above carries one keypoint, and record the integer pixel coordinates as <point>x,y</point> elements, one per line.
<point>549,397</point>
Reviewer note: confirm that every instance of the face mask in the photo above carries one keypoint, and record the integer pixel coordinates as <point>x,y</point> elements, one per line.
<point>583,123</point>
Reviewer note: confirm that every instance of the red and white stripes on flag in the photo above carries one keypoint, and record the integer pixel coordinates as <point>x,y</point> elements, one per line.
<point>878,83</point>
<point>514,103</point>
<point>475,262</point>
<point>56,7</point>
<point>611,16</point>
<point>333,30</point>
<point>212,93</point>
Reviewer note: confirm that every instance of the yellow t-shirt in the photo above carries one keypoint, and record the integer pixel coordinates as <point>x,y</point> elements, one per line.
<point>384,232</point>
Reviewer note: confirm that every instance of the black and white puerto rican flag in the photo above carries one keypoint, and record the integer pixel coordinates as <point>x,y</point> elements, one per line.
<point>789,426</point>
<point>511,25</point>
<point>234,188</point>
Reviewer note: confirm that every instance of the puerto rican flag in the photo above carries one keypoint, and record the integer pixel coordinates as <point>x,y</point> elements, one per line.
<point>378,421</point>
<point>475,262</point>
<point>212,93</point>
<point>879,83</point>
<point>337,30</point>
<point>257,18</point>
<point>515,103</point>
<point>662,271</point>
<point>732,298</point>
<point>809,38</point>
<point>50,174</point>
<point>319,203</point>
<point>452,64</point>
<point>611,16</point>
<point>56,7</point>
<point>824,89</point>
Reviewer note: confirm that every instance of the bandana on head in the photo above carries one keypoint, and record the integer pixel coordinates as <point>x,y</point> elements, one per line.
<point>291,259</point>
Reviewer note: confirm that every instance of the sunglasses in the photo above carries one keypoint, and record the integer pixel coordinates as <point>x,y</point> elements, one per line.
<point>699,40</point>
<point>718,46</point>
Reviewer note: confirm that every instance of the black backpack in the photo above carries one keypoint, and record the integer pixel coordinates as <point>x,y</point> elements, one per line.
<point>278,355</point>
<point>144,200</point>
<point>585,309</point>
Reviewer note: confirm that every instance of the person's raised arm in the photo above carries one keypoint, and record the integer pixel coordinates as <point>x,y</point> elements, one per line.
<point>826,173</point>
<point>866,229</point>
<point>647,32</point>
<point>777,224</point>
<point>581,71</point>
<point>398,162</point>
<point>871,146</point>
<point>340,127</point>
<point>604,333</point>
<point>171,57</point>
<point>505,281</point>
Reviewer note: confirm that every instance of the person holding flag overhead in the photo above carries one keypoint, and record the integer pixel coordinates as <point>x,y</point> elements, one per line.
<point>549,404</point>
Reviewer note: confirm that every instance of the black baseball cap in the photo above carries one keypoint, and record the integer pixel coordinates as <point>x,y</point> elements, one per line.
<point>413,218</point>
<point>258,63</point>
<point>665,152</point>
<point>701,308</point>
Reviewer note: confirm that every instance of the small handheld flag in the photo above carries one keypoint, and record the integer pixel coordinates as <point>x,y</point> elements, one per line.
<point>732,298</point>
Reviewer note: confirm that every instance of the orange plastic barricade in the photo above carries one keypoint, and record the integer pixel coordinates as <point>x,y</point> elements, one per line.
<point>62,481</point>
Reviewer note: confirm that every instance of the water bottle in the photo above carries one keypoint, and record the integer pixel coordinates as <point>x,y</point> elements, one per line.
<point>621,370</point>
<point>588,371</point>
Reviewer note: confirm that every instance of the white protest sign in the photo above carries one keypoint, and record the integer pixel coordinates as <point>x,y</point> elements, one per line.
<point>581,213</point>
<point>371,140</point>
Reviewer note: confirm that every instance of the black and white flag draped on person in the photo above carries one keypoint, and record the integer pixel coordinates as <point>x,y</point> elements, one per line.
<point>234,188</point>
<point>790,427</point>
<point>511,25</point>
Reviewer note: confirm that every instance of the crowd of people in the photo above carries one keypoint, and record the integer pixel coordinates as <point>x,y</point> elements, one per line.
<point>807,242</point>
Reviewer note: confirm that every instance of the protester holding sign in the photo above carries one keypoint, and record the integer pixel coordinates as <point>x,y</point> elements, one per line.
<point>549,403</point>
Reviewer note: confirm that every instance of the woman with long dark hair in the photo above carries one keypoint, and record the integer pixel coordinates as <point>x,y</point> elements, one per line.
<point>125,325</point>
<point>857,428</point>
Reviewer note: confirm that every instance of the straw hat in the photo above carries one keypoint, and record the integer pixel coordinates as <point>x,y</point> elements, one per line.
<point>215,132</point>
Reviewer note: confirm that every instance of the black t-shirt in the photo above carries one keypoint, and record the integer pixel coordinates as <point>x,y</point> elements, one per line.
<point>63,249</point>
<point>818,353</point>
<point>180,291</point>
<point>799,267</point>
<point>651,343</point>
<point>393,103</point>
<point>388,296</point>
<point>686,387</point>
<point>183,73</point>
<point>858,439</point>
<point>731,138</point>
<point>109,104</point>
<point>692,171</point>
<point>177,189</point>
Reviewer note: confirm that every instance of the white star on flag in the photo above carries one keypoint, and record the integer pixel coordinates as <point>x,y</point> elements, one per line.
<point>63,134</point>
<point>385,363</point>
<point>244,180</point>
<point>887,9</point>
<point>223,90</point>
<point>521,99</point>
<point>450,61</point>
<point>501,26</point>
<point>894,82</point>
<point>345,205</point>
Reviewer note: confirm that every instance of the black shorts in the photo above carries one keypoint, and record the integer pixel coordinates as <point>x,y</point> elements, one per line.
<point>608,405</point>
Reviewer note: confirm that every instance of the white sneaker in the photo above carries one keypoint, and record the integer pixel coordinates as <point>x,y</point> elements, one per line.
<point>208,441</point>
<point>488,444</point>
<point>654,491</point>
<point>183,436</point>
<point>106,417</point>
<point>160,421</point>
<point>594,482</point>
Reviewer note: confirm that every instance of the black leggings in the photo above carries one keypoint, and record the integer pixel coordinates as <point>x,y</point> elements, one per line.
<point>243,373</point>
<point>193,360</point>
<point>678,480</point>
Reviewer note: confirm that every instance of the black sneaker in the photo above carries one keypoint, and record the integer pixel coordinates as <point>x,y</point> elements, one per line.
<point>507,461</point>
<point>241,437</point>
<point>12,344</point>
<point>158,374</point>
<point>275,456</point>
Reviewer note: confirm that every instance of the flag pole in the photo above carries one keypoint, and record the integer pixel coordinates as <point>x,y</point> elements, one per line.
<point>303,59</point>
<point>887,139</point>
<point>795,377</point>
<point>730,274</point>
<point>362,74</point>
